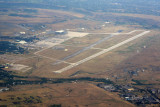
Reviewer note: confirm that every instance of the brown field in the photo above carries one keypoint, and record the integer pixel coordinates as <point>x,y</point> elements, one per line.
<point>35,61</point>
<point>43,16</point>
<point>116,39</point>
<point>53,19</point>
<point>75,24</point>
<point>53,12</point>
<point>102,64</point>
<point>7,29</point>
<point>105,64</point>
<point>140,16</point>
<point>84,41</point>
<point>141,53</point>
<point>111,28</point>
<point>59,54</point>
<point>147,59</point>
<point>41,66</point>
<point>83,55</point>
<point>10,58</point>
<point>68,94</point>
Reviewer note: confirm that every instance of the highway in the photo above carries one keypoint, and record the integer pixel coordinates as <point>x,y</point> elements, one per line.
<point>102,52</point>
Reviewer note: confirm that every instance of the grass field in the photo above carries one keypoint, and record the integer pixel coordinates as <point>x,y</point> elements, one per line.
<point>68,94</point>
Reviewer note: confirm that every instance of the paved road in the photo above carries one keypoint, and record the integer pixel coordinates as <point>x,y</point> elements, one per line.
<point>102,52</point>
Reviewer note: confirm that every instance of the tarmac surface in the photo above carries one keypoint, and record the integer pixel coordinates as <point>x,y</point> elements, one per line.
<point>101,52</point>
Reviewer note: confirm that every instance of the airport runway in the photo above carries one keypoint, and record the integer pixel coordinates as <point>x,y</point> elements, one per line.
<point>91,46</point>
<point>102,52</point>
<point>84,49</point>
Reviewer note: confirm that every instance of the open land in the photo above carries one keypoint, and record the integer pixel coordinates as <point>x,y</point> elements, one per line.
<point>74,68</point>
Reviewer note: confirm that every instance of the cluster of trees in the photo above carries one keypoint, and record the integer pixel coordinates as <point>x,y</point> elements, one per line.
<point>22,15</point>
<point>8,47</point>
<point>9,79</point>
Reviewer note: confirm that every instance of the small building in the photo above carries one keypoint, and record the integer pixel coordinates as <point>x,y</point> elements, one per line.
<point>43,32</point>
<point>130,89</point>
<point>4,89</point>
<point>82,28</point>
<point>59,47</point>
<point>66,50</point>
<point>107,22</point>
<point>22,33</point>
<point>6,67</point>
<point>22,42</point>
<point>60,32</point>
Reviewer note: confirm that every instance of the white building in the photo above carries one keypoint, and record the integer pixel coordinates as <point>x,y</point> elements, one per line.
<point>60,32</point>
<point>22,42</point>
<point>22,33</point>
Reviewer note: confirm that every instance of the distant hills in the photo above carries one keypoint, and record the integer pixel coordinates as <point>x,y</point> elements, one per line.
<point>117,6</point>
